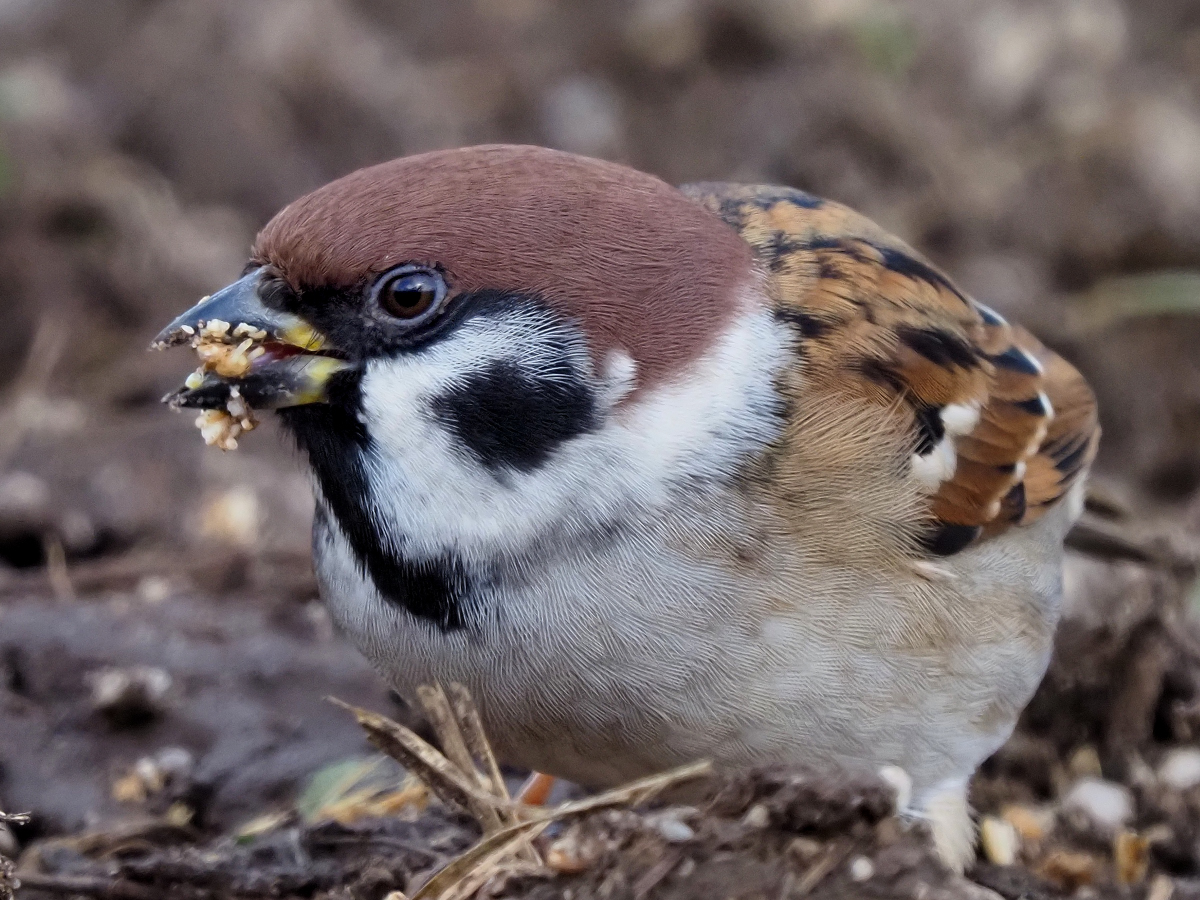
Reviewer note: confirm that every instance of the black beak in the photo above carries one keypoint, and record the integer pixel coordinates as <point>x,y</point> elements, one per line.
<point>240,302</point>
<point>284,367</point>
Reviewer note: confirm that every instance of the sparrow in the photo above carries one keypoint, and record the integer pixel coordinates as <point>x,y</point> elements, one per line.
<point>661,474</point>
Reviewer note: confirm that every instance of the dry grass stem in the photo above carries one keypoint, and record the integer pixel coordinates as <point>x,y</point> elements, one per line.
<point>832,857</point>
<point>452,786</point>
<point>486,859</point>
<point>437,707</point>
<point>509,828</point>
<point>476,738</point>
<point>480,750</point>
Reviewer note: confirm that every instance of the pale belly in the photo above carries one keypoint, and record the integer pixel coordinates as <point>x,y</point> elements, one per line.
<point>609,665</point>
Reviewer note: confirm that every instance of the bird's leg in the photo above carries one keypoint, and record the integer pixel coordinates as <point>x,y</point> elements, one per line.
<point>536,789</point>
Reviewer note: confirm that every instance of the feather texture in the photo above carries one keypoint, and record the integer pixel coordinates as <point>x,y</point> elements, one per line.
<point>999,427</point>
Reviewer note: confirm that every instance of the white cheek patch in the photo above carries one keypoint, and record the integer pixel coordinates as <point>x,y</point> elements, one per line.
<point>438,498</point>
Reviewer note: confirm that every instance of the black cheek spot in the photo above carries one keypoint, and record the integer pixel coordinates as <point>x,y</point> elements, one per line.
<point>511,419</point>
<point>431,589</point>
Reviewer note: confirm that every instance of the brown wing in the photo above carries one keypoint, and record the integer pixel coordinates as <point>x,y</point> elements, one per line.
<point>1000,426</point>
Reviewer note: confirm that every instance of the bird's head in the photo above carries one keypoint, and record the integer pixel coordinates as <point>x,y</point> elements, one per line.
<point>490,305</point>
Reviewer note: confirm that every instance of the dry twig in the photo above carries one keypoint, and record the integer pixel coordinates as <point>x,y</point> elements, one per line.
<point>452,786</point>
<point>509,827</point>
<point>445,724</point>
<point>476,738</point>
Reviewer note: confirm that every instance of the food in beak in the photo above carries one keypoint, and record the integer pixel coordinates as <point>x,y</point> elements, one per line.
<point>228,351</point>
<point>252,357</point>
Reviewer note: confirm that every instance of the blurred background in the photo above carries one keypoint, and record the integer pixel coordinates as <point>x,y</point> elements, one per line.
<point>155,594</point>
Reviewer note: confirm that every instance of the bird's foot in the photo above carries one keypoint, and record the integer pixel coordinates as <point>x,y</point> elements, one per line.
<point>536,789</point>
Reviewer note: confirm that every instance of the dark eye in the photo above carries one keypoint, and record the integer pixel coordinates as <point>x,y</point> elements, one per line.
<point>411,293</point>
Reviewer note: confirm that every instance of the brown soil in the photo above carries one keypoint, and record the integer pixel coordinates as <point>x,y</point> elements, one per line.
<point>157,608</point>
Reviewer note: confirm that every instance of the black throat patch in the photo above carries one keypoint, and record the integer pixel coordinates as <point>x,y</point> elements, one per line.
<point>507,417</point>
<point>337,444</point>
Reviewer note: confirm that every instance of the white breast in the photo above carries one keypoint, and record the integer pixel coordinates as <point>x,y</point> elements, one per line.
<point>655,615</point>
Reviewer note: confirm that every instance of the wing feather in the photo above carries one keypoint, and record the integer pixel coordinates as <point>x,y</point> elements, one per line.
<point>1001,427</point>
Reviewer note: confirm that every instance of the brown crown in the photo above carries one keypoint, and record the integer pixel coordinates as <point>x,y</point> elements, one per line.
<point>638,264</point>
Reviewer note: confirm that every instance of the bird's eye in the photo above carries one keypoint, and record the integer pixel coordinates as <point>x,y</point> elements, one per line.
<point>411,293</point>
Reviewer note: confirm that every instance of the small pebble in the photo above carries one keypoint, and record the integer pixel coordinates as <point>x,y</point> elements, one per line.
<point>757,817</point>
<point>1000,841</point>
<point>154,589</point>
<point>234,517</point>
<point>1181,768</point>
<point>180,814</point>
<point>129,788</point>
<point>1161,888</point>
<point>151,774</point>
<point>569,855</point>
<point>175,762</point>
<point>803,849</point>
<point>673,831</point>
<point>862,869</point>
<point>1107,805</point>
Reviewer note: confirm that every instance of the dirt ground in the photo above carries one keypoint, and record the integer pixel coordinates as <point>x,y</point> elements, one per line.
<point>163,657</point>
